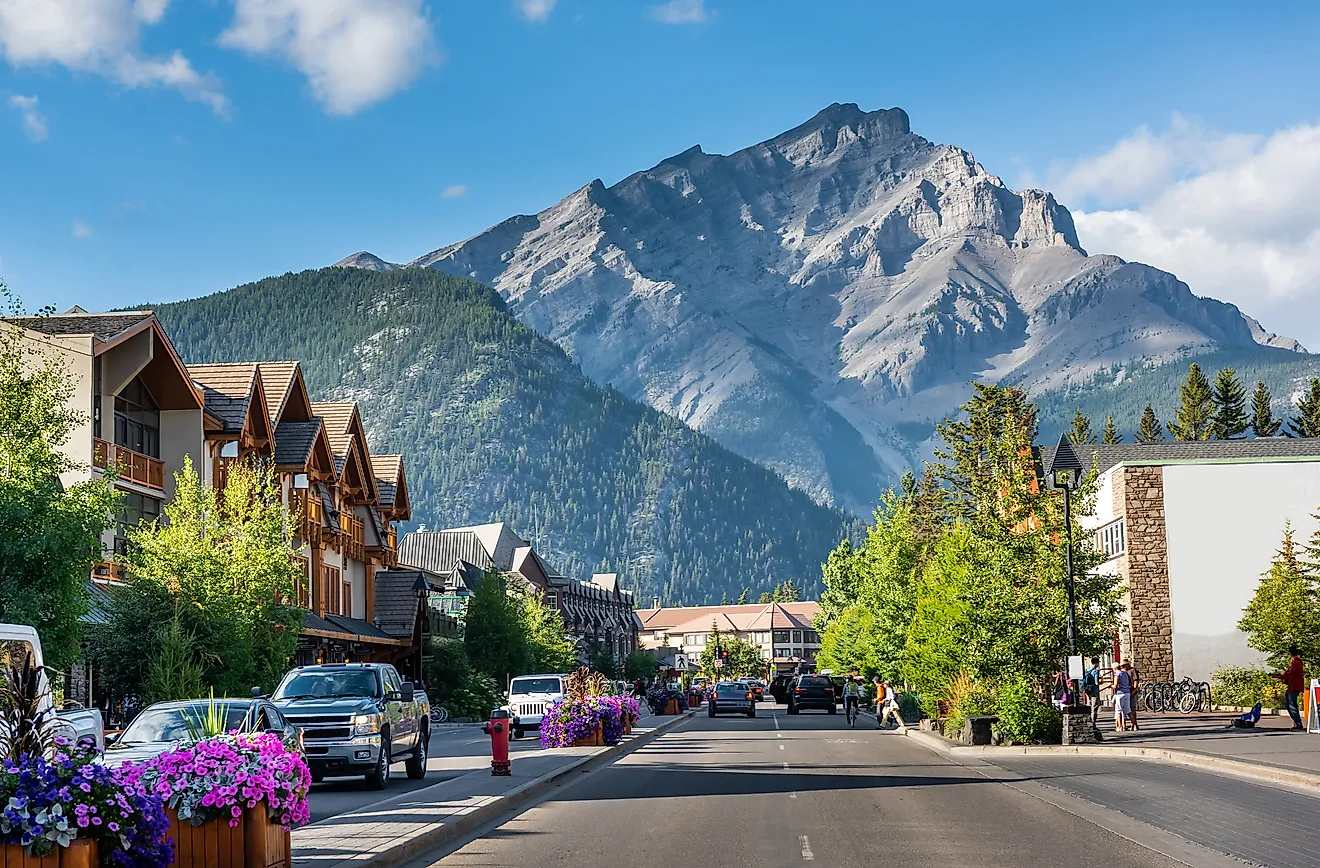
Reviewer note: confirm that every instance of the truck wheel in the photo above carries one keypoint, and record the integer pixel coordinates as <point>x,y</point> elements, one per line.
<point>379,777</point>
<point>518,733</point>
<point>317,777</point>
<point>416,765</point>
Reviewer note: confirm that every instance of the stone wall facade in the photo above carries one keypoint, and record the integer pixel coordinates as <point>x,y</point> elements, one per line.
<point>1148,643</point>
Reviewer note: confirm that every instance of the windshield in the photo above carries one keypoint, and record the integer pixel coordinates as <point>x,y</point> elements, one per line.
<point>178,723</point>
<point>731,690</point>
<point>816,682</point>
<point>323,684</point>
<point>536,685</point>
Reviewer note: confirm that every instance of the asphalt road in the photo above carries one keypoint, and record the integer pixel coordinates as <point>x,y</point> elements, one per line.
<point>453,751</point>
<point>782,790</point>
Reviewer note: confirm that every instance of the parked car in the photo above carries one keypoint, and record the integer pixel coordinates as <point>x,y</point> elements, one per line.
<point>529,696</point>
<point>166,725</point>
<point>758,690</point>
<point>731,697</point>
<point>357,719</point>
<point>780,686</point>
<point>812,691</point>
<point>74,724</point>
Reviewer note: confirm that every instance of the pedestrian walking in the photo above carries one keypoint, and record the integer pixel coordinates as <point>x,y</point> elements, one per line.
<point>1122,696</point>
<point>1091,687</point>
<point>1294,677</point>
<point>890,710</point>
<point>1135,675</point>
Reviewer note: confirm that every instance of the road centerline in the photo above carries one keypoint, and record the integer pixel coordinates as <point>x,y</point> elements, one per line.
<point>807,855</point>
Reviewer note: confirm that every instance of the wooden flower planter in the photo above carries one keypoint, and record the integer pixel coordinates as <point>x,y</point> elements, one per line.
<point>255,842</point>
<point>79,854</point>
<point>672,707</point>
<point>594,740</point>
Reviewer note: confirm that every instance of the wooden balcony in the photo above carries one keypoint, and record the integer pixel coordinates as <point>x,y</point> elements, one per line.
<point>312,515</point>
<point>355,534</point>
<point>131,466</point>
<point>107,571</point>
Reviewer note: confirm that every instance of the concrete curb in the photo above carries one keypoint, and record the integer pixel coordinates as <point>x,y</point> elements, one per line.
<point>520,795</point>
<point>1308,781</point>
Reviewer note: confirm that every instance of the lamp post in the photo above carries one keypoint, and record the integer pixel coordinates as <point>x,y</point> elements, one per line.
<point>422,589</point>
<point>1065,472</point>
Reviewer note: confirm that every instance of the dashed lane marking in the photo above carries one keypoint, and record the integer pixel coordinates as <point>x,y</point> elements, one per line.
<point>785,766</point>
<point>792,795</point>
<point>781,747</point>
<point>807,855</point>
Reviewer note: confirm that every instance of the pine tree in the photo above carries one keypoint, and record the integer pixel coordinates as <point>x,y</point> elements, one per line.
<point>1081,433</point>
<point>1285,610</point>
<point>1263,423</point>
<point>1194,417</point>
<point>1149,431</point>
<point>1230,419</point>
<point>1111,435</point>
<point>1307,421</point>
<point>742,599</point>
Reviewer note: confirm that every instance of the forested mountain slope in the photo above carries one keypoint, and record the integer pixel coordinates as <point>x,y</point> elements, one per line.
<point>495,422</point>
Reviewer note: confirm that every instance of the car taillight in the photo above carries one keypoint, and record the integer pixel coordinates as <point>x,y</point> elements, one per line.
<point>749,696</point>
<point>799,690</point>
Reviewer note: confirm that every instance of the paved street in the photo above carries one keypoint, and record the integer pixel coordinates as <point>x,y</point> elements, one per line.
<point>782,790</point>
<point>454,751</point>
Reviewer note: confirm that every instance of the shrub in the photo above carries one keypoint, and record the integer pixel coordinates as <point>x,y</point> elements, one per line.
<point>474,697</point>
<point>1245,686</point>
<point>910,706</point>
<point>1024,718</point>
<point>967,697</point>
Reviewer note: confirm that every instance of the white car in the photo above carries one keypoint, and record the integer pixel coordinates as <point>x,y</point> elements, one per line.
<point>528,698</point>
<point>73,724</point>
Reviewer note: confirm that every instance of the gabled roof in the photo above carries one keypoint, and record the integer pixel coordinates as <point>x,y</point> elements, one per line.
<point>753,616</point>
<point>396,602</point>
<point>1261,449</point>
<point>102,326</point>
<point>348,437</point>
<point>443,551</point>
<point>285,392</point>
<point>294,442</point>
<point>391,486</point>
<point>234,394</point>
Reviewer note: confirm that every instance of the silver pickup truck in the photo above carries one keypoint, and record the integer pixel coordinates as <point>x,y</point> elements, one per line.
<point>357,719</point>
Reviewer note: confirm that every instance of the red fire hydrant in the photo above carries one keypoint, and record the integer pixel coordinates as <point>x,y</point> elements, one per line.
<point>498,728</point>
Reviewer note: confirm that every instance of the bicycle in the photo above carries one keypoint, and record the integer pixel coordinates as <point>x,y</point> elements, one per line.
<point>851,705</point>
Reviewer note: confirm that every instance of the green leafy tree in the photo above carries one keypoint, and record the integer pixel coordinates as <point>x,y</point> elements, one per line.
<point>50,534</point>
<point>1285,610</point>
<point>550,646</point>
<point>1194,418</point>
<point>493,631</point>
<point>850,643</point>
<point>1149,429</point>
<point>1263,423</point>
<point>638,666</point>
<point>1307,421</point>
<point>604,662</point>
<point>174,671</point>
<point>743,659</point>
<point>1111,435</point>
<point>1081,432</point>
<point>222,561</point>
<point>1230,398</point>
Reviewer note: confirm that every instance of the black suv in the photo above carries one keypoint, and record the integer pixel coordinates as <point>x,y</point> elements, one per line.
<point>812,691</point>
<point>780,687</point>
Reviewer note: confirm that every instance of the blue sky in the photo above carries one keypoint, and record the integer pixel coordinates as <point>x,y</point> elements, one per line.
<point>178,148</point>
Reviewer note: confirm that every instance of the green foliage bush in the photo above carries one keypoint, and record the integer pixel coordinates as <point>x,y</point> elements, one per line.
<point>452,683</point>
<point>967,698</point>
<point>1024,718</point>
<point>1245,686</point>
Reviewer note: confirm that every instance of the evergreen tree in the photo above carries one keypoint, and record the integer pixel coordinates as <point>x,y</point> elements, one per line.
<point>1263,423</point>
<point>1149,430</point>
<point>1307,421</point>
<point>1081,433</point>
<point>1111,435</point>
<point>1285,610</point>
<point>174,672</point>
<point>1194,417</point>
<point>742,598</point>
<point>493,632</point>
<point>1230,419</point>
<point>49,533</point>
<point>786,592</point>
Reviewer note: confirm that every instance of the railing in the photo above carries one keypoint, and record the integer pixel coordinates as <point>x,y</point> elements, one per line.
<point>308,505</point>
<point>107,571</point>
<point>132,466</point>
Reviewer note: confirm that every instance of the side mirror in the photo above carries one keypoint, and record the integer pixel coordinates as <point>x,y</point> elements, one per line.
<point>408,692</point>
<point>111,737</point>
<point>257,693</point>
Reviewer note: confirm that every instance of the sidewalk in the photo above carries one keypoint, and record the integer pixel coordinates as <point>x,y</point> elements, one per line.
<point>396,829</point>
<point>1269,744</point>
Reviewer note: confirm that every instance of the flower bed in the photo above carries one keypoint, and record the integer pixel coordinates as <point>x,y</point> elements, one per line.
<point>51,803</point>
<point>575,721</point>
<point>218,778</point>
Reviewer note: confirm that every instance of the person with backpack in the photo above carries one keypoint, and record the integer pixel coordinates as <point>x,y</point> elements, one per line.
<point>1091,687</point>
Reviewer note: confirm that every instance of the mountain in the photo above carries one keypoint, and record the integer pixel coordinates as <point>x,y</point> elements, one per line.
<point>497,423</point>
<point>815,302</point>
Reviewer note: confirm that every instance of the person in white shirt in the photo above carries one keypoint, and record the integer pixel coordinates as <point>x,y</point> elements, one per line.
<point>890,707</point>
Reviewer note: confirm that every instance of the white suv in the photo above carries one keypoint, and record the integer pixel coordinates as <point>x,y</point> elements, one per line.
<point>528,698</point>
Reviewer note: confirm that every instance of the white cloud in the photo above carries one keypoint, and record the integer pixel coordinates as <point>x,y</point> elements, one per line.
<point>104,37</point>
<point>34,123</point>
<point>81,229</point>
<point>536,11</point>
<point>1237,217</point>
<point>353,52</point>
<point>457,191</point>
<point>681,12</point>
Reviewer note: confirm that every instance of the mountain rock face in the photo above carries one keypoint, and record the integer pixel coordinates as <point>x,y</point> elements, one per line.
<point>815,301</point>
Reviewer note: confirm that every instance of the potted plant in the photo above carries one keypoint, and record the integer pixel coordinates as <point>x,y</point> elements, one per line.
<point>239,794</point>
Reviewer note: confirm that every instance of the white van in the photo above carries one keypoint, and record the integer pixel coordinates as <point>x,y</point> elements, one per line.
<point>73,724</point>
<point>528,698</point>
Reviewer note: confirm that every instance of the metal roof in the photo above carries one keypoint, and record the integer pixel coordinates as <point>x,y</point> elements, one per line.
<point>1102,457</point>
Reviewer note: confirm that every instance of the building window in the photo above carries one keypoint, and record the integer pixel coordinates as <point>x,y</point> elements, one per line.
<point>137,420</point>
<point>303,592</point>
<point>1112,539</point>
<point>783,652</point>
<point>330,583</point>
<point>782,636</point>
<point>346,607</point>
<point>133,510</point>
<point>810,637</point>
<point>797,635</point>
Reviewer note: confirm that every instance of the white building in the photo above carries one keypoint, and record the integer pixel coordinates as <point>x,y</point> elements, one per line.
<point>1190,527</point>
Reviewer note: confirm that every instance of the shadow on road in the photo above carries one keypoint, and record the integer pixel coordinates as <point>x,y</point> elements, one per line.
<point>673,781</point>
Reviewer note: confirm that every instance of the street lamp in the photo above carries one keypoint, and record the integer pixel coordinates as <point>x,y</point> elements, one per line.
<point>1065,472</point>
<point>421,588</point>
